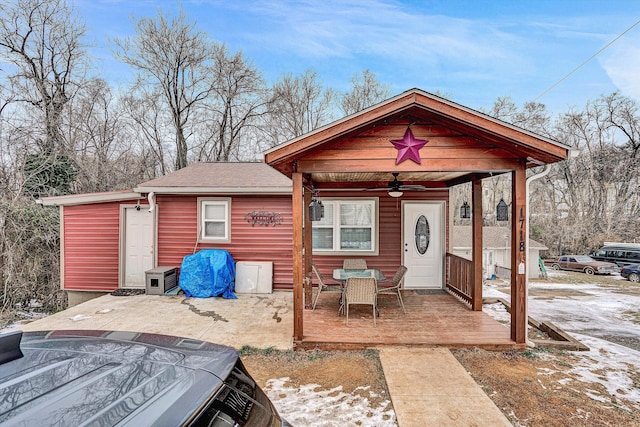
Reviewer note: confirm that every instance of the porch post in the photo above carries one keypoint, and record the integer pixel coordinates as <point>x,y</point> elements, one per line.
<point>308,250</point>
<point>518,255</point>
<point>476,244</point>
<point>298,264</point>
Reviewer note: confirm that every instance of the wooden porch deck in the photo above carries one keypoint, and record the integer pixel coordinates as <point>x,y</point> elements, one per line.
<point>437,319</point>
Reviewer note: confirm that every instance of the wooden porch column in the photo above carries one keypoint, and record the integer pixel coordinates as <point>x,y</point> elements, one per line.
<point>518,255</point>
<point>298,262</point>
<point>476,244</point>
<point>308,250</point>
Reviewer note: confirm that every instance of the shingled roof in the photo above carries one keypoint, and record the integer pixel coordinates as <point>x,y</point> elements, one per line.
<point>220,178</point>
<point>492,238</point>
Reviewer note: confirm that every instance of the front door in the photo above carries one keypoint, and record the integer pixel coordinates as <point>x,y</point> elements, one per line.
<point>423,244</point>
<point>138,246</point>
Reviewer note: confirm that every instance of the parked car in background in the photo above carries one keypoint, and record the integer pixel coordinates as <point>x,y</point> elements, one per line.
<point>631,272</point>
<point>70,378</point>
<point>620,253</point>
<point>583,263</point>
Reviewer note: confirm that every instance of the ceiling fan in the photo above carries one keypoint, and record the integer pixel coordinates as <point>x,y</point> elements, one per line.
<point>396,188</point>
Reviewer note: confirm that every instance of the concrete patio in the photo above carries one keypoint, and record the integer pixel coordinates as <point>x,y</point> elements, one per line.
<point>257,320</point>
<point>428,386</point>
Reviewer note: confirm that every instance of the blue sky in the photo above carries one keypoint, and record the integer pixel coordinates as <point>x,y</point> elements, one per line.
<point>474,51</point>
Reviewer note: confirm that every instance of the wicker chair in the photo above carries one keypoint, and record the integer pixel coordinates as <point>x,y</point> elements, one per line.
<point>323,286</point>
<point>360,290</point>
<point>354,264</point>
<point>394,289</point>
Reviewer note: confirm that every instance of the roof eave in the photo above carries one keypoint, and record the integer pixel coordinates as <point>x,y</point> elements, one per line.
<point>84,199</point>
<point>215,190</point>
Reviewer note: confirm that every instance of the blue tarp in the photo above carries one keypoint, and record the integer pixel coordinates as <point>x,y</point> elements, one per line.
<point>208,273</point>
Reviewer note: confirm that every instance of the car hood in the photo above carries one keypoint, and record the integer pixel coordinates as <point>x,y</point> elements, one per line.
<point>106,378</point>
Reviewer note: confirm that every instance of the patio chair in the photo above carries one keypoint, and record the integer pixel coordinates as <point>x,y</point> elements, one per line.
<point>394,289</point>
<point>323,286</point>
<point>354,264</point>
<point>360,290</point>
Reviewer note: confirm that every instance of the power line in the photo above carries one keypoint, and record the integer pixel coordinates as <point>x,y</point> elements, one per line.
<point>585,62</point>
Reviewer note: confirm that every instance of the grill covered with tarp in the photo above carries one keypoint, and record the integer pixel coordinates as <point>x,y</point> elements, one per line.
<point>208,273</point>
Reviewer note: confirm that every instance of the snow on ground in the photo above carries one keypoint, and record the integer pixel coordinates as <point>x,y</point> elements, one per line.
<point>596,315</point>
<point>311,406</point>
<point>611,365</point>
<point>591,309</point>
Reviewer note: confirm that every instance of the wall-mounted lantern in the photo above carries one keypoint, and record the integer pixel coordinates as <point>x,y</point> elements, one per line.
<point>502,211</point>
<point>465,211</point>
<point>316,210</point>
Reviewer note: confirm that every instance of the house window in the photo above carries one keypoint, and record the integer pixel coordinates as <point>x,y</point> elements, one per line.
<point>214,219</point>
<point>348,226</point>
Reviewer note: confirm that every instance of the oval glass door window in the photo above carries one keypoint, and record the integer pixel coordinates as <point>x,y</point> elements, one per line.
<point>422,234</point>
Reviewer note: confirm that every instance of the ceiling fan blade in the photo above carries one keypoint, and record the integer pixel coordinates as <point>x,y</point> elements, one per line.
<point>397,185</point>
<point>413,187</point>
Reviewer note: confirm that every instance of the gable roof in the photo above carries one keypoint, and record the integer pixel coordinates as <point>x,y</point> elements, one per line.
<point>492,238</point>
<point>220,178</point>
<point>452,128</point>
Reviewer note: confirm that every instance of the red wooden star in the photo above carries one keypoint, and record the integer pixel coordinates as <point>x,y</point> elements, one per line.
<point>408,147</point>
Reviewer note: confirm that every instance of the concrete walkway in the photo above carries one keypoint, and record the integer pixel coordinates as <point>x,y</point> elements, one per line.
<point>428,386</point>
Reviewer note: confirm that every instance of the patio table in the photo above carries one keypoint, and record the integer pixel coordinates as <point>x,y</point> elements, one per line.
<point>342,274</point>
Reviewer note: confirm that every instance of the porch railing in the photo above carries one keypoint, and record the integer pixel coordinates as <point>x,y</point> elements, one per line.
<point>459,277</point>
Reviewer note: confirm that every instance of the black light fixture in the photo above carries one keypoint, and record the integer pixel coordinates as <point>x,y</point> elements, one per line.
<point>316,208</point>
<point>465,211</point>
<point>502,211</point>
<point>394,186</point>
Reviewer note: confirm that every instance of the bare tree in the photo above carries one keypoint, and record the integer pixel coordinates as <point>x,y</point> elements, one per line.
<point>595,196</point>
<point>298,105</point>
<point>44,65</point>
<point>366,91</point>
<point>174,54</point>
<point>623,117</point>
<point>41,39</point>
<point>97,129</point>
<point>28,233</point>
<point>533,116</point>
<point>148,126</point>
<point>236,103</point>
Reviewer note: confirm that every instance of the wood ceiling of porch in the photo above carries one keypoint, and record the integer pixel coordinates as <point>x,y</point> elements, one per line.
<point>355,180</point>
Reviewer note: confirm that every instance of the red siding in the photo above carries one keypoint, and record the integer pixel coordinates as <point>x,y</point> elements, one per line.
<point>91,242</point>
<point>177,232</point>
<point>178,228</point>
<point>390,233</point>
<point>91,234</point>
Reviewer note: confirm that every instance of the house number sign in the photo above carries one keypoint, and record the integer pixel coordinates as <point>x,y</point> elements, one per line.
<point>265,218</point>
<point>521,266</point>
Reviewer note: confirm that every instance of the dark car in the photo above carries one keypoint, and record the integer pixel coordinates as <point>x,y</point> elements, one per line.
<point>584,263</point>
<point>70,378</point>
<point>622,254</point>
<point>631,272</point>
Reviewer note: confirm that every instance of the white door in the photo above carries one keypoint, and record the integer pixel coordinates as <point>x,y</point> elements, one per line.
<point>423,245</point>
<point>138,246</point>
<point>488,266</point>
